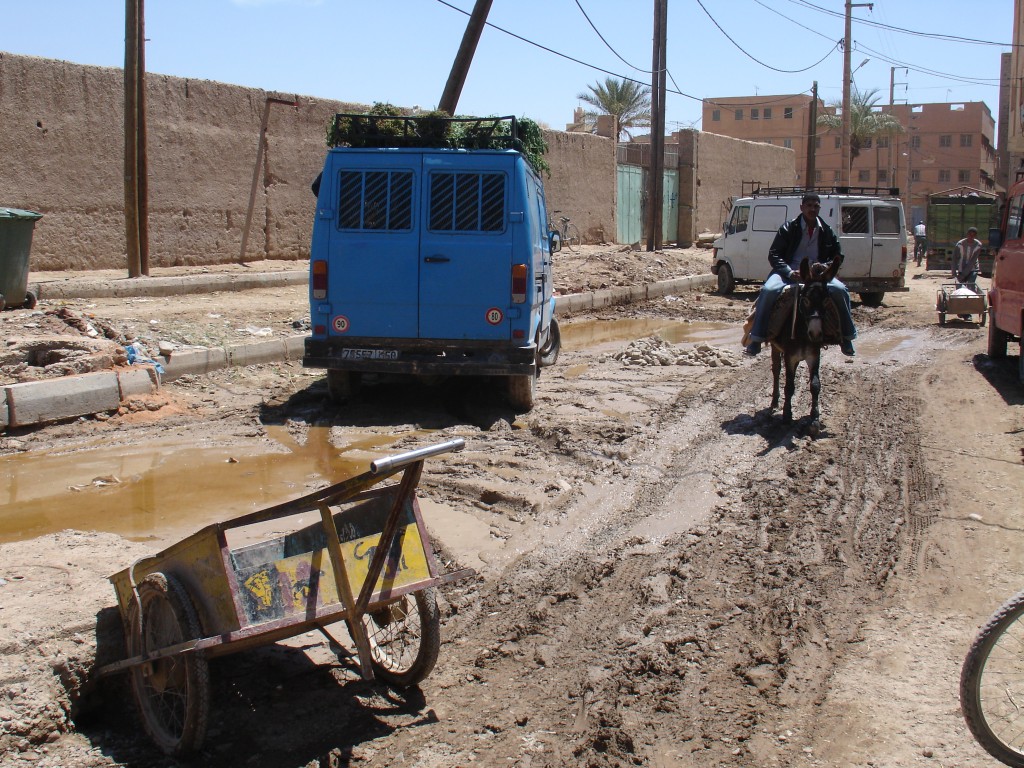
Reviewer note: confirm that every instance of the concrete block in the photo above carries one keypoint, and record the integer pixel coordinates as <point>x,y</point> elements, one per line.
<point>256,353</point>
<point>138,381</point>
<point>5,418</point>
<point>38,402</point>
<point>638,293</point>
<point>295,347</point>
<point>194,361</point>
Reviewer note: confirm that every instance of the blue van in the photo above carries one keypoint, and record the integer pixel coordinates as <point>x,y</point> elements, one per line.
<point>430,260</point>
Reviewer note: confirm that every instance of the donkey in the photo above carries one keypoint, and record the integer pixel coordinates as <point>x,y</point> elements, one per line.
<point>804,333</point>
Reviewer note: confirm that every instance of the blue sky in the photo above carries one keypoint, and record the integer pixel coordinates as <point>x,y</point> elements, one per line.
<point>401,51</point>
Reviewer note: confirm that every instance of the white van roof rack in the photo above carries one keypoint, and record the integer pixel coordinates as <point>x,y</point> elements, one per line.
<point>834,190</point>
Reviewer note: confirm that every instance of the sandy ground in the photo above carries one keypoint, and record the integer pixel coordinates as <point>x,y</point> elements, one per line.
<point>668,575</point>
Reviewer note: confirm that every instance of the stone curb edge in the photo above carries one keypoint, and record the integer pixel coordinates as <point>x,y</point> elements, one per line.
<point>39,402</point>
<point>72,288</point>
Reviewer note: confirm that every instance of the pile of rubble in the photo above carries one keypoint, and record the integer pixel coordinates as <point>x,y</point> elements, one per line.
<point>654,350</point>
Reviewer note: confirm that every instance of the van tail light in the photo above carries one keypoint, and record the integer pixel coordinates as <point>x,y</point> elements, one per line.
<point>319,279</point>
<point>519,273</point>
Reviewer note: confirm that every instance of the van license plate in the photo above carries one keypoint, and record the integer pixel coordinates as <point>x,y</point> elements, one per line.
<point>369,354</point>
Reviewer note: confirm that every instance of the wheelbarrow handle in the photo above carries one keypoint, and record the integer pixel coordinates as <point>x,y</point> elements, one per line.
<point>380,466</point>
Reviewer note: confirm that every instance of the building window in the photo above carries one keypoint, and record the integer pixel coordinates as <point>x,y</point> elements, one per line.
<point>963,176</point>
<point>945,140</point>
<point>866,143</point>
<point>915,141</point>
<point>863,175</point>
<point>787,143</point>
<point>787,113</point>
<point>944,176</point>
<point>915,175</point>
<point>883,176</point>
<point>768,141</point>
<point>835,176</point>
<point>755,114</point>
<point>965,139</point>
<point>817,176</point>
<point>716,115</point>
<point>767,113</point>
<point>839,141</point>
<point>739,114</point>
<point>882,142</point>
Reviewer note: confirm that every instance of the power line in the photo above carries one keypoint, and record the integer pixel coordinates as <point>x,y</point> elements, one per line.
<point>758,61</point>
<point>566,56</point>
<point>598,33</point>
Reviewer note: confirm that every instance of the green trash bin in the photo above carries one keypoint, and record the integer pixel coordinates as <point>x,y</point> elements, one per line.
<point>16,227</point>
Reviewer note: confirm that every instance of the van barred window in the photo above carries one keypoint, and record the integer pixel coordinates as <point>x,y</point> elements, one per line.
<point>375,200</point>
<point>467,202</point>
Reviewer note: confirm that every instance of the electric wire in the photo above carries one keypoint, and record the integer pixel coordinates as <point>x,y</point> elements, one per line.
<point>758,61</point>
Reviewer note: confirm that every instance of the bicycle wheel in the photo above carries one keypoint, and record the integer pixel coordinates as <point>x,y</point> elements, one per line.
<point>172,693</point>
<point>405,638</point>
<point>992,684</point>
<point>571,238</point>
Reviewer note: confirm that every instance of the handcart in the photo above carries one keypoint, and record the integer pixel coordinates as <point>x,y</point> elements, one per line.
<point>368,562</point>
<point>963,299</point>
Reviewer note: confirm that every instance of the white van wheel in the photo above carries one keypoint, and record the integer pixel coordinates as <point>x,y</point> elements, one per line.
<point>522,392</point>
<point>872,298</point>
<point>726,283</point>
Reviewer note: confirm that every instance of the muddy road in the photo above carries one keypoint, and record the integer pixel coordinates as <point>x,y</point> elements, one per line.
<point>667,574</point>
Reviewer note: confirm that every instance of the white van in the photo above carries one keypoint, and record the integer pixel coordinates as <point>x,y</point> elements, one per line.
<point>870,224</point>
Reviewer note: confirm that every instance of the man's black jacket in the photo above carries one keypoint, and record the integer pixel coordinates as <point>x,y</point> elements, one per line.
<point>787,239</point>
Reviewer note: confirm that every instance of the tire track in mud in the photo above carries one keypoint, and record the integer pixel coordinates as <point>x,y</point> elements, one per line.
<point>710,644</point>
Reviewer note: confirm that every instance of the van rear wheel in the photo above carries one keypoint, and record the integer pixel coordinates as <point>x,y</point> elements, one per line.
<point>342,386</point>
<point>522,392</point>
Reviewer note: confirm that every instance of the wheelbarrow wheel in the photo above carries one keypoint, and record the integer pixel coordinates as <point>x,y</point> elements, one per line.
<point>172,693</point>
<point>405,638</point>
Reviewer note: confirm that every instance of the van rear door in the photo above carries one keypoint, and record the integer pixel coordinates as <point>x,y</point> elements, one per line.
<point>872,234</point>
<point>467,242</point>
<point>374,244</point>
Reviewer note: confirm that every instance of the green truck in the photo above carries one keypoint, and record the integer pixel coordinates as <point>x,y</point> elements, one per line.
<point>950,213</point>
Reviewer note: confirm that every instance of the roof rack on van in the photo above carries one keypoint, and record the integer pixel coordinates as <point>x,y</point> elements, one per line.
<point>834,190</point>
<point>433,131</point>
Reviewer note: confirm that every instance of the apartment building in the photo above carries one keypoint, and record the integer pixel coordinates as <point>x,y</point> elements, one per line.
<point>943,146</point>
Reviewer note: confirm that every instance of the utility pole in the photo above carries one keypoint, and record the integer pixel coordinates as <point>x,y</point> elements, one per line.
<point>657,160</point>
<point>812,134</point>
<point>136,195</point>
<point>847,50</point>
<point>460,67</point>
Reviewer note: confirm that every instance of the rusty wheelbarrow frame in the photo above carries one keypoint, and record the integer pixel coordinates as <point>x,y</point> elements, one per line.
<point>951,300</point>
<point>369,564</point>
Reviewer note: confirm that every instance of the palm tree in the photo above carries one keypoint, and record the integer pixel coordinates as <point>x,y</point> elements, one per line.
<point>865,121</point>
<point>628,101</point>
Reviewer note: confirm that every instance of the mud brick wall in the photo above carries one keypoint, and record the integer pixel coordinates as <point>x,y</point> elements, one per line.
<point>62,154</point>
<point>712,170</point>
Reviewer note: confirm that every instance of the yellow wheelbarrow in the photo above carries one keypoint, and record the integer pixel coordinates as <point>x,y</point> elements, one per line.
<point>367,561</point>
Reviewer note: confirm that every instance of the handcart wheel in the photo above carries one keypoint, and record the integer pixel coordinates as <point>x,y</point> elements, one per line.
<point>942,318</point>
<point>405,637</point>
<point>984,317</point>
<point>173,693</point>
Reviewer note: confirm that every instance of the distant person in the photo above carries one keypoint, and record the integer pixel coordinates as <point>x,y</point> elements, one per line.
<point>966,257</point>
<point>920,241</point>
<point>966,265</point>
<point>805,237</point>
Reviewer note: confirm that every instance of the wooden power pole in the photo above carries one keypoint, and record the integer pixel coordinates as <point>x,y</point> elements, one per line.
<point>812,135</point>
<point>460,67</point>
<point>657,161</point>
<point>136,194</point>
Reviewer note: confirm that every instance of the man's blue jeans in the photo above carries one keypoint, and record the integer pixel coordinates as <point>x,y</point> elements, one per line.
<point>770,294</point>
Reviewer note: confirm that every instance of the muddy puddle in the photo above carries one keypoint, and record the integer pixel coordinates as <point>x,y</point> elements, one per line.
<point>170,488</point>
<point>588,334</point>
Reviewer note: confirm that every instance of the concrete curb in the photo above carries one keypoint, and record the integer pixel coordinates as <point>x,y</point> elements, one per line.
<point>40,402</point>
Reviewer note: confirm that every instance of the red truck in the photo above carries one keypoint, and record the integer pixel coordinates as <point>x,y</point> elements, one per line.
<point>1006,292</point>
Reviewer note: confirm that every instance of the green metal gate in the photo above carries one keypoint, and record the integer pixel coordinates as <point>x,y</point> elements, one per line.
<point>631,211</point>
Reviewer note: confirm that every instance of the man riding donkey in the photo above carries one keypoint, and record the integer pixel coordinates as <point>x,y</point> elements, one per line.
<point>805,237</point>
